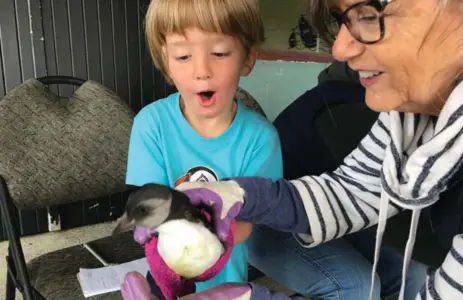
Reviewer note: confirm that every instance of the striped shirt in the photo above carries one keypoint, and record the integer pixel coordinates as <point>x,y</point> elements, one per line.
<point>405,162</point>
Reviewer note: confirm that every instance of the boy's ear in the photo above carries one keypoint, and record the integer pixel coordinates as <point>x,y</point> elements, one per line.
<point>249,63</point>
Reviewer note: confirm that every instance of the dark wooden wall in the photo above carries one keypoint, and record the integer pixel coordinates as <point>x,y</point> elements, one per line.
<point>101,40</point>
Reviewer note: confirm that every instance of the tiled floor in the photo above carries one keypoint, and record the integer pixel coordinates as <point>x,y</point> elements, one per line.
<point>37,245</point>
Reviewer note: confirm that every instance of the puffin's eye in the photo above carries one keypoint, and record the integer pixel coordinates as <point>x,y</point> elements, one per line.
<point>143,210</point>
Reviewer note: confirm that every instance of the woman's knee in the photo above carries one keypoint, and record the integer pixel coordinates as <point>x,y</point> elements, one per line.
<point>334,270</point>
<point>416,278</point>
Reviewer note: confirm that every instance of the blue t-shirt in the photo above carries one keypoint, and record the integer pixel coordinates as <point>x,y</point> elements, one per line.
<point>165,149</point>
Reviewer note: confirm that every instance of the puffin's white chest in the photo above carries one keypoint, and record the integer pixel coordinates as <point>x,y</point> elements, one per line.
<point>188,248</point>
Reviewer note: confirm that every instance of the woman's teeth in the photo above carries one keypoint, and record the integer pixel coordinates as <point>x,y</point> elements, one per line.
<point>369,74</point>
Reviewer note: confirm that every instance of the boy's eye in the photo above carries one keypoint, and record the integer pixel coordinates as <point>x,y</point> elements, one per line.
<point>182,58</point>
<point>221,54</point>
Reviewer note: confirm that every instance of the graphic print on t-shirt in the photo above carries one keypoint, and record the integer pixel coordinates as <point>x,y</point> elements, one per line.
<point>200,173</point>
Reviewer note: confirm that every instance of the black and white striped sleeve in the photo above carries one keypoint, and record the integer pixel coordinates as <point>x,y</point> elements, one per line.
<point>447,281</point>
<point>346,200</point>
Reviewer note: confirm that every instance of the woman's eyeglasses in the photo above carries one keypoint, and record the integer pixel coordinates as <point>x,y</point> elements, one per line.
<point>365,20</point>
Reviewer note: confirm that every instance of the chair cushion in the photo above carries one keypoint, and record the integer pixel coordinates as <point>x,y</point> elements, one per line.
<point>249,101</point>
<point>59,150</point>
<point>54,275</point>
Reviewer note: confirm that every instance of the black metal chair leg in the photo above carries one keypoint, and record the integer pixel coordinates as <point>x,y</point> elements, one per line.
<point>16,251</point>
<point>10,292</point>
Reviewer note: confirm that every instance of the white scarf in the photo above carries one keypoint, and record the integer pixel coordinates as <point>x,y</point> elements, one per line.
<point>422,157</point>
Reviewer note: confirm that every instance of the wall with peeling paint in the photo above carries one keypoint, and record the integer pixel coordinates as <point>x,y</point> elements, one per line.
<point>275,84</point>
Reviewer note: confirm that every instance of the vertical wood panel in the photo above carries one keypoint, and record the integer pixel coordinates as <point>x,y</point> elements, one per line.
<point>105,28</point>
<point>133,53</point>
<point>9,42</point>
<point>120,49</point>
<point>62,43</point>
<point>37,38</point>
<point>77,36</point>
<point>49,40</point>
<point>92,40</point>
<point>24,40</point>
<point>145,60</point>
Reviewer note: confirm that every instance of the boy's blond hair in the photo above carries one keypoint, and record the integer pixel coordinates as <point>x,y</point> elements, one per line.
<point>237,18</point>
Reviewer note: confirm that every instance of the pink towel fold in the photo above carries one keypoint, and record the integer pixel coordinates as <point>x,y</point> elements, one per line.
<point>171,284</point>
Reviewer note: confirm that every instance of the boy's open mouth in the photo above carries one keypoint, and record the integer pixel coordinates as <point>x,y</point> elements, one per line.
<point>206,97</point>
<point>206,94</point>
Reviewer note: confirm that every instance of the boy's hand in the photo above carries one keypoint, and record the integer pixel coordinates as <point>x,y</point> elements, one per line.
<point>232,291</point>
<point>243,231</point>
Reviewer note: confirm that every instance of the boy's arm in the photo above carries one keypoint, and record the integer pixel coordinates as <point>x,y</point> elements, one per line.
<point>145,163</point>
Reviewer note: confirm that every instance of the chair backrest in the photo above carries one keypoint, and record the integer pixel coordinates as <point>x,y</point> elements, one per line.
<point>57,150</point>
<point>249,101</point>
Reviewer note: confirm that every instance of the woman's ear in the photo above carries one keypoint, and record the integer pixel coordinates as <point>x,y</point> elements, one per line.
<point>249,63</point>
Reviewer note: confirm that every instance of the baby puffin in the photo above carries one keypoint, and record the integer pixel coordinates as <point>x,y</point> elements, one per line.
<point>187,242</point>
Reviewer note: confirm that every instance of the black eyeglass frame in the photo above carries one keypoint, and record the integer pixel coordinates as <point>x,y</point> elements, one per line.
<point>344,19</point>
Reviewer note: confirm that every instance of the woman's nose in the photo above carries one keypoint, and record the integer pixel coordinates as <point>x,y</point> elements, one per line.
<point>345,46</point>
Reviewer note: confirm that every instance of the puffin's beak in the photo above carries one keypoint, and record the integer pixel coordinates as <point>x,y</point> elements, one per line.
<point>123,224</point>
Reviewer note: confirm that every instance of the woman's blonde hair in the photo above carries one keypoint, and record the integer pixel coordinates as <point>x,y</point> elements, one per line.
<point>237,18</point>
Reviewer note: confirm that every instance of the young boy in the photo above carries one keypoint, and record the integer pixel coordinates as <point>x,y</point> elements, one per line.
<point>202,133</point>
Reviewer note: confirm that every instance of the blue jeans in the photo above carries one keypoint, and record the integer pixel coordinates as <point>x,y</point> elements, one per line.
<point>340,269</point>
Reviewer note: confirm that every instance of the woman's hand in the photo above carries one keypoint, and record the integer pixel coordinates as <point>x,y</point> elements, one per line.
<point>225,197</point>
<point>135,287</point>
<point>142,235</point>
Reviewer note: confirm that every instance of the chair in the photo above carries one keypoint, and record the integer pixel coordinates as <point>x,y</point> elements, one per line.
<point>249,101</point>
<point>58,150</point>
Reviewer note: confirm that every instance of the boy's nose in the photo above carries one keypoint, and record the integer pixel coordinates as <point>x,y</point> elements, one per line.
<point>203,76</point>
<point>203,69</point>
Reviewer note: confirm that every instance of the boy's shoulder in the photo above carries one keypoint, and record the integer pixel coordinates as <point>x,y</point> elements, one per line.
<point>158,110</point>
<point>255,122</point>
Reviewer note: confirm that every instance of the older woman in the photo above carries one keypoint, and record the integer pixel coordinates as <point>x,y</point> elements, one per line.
<point>409,55</point>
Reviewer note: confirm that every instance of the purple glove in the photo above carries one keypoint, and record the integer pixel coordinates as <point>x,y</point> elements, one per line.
<point>142,235</point>
<point>225,197</point>
<point>135,287</point>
